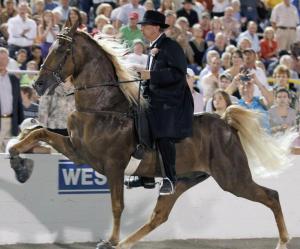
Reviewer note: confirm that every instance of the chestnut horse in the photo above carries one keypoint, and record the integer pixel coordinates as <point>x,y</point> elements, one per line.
<point>101,134</point>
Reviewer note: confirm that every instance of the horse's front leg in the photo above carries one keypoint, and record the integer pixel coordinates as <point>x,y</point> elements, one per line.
<point>115,176</point>
<point>23,167</point>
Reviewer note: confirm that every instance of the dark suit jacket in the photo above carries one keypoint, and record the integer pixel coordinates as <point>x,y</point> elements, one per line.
<point>171,103</point>
<point>18,114</point>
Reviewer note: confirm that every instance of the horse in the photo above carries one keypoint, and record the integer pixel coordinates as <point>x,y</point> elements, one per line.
<point>102,134</point>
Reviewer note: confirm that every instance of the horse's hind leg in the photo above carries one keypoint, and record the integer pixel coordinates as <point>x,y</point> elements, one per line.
<point>160,214</point>
<point>239,182</point>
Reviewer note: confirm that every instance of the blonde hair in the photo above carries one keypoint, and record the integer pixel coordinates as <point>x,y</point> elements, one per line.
<point>268,29</point>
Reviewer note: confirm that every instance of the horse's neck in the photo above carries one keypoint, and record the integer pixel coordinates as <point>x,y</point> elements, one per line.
<point>99,98</point>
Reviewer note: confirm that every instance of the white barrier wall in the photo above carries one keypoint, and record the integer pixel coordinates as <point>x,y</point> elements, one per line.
<point>48,208</point>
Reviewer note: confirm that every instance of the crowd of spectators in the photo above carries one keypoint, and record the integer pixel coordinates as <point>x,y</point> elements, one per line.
<point>238,52</point>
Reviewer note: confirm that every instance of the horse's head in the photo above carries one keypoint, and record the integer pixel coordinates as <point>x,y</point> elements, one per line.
<point>59,63</point>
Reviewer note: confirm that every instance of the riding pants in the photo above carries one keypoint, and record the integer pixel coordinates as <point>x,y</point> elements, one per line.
<point>167,150</point>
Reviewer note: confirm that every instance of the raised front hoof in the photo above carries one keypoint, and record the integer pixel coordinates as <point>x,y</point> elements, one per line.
<point>23,168</point>
<point>104,245</point>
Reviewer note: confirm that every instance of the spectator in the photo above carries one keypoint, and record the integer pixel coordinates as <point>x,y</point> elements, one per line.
<point>216,27</point>
<point>38,8</point>
<point>198,44</point>
<point>30,108</point>
<point>173,31</point>
<point>132,6</point>
<point>54,109</point>
<point>166,5</point>
<point>226,60</point>
<point>47,30</point>
<point>281,75</point>
<point>282,116</point>
<point>36,55</point>
<point>249,10</point>
<point>130,32</point>
<point>183,24</point>
<point>28,79</point>
<point>75,16</point>
<point>251,34</point>
<point>219,7</point>
<point>115,12</point>
<point>22,58</point>
<point>220,101</point>
<point>249,57</point>
<point>209,56</point>
<point>225,80</point>
<point>183,41</point>
<point>244,44</point>
<point>63,9</point>
<point>11,109</point>
<point>197,97</point>
<point>137,60</point>
<point>104,9</point>
<point>250,101</point>
<point>284,20</point>
<point>237,63</point>
<point>236,6</point>
<point>8,12</point>
<point>219,44</point>
<point>210,81</point>
<point>27,126</point>
<point>205,23</point>
<point>50,5</point>
<point>268,47</point>
<point>149,5</point>
<point>100,22</point>
<point>188,12</point>
<point>21,30</point>
<point>96,3</point>
<point>230,25</point>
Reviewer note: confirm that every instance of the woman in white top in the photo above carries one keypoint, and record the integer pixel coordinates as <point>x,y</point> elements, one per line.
<point>137,60</point>
<point>47,32</point>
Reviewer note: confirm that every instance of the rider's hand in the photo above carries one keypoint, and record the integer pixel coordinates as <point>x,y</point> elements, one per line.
<point>145,74</point>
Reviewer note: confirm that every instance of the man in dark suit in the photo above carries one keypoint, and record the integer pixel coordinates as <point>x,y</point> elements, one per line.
<point>188,12</point>
<point>171,104</point>
<point>11,108</point>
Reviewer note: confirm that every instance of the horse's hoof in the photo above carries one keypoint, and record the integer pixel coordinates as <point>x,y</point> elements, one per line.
<point>281,245</point>
<point>104,245</point>
<point>23,168</point>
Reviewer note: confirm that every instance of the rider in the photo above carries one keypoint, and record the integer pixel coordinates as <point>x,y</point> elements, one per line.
<point>171,104</point>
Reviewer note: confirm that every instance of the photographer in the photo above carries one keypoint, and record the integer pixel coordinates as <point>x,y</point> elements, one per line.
<point>246,85</point>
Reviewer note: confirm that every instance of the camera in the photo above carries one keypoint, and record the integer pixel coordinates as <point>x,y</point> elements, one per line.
<point>245,78</point>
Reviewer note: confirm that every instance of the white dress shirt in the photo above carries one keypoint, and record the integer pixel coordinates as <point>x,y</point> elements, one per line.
<point>6,98</point>
<point>16,26</point>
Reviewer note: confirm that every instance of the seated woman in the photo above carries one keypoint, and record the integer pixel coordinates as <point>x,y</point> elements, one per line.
<point>282,117</point>
<point>27,126</point>
<point>220,101</point>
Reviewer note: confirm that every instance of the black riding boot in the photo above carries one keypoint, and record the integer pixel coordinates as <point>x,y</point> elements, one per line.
<point>167,150</point>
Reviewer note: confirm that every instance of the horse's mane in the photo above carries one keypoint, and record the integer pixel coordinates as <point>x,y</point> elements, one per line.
<point>113,51</point>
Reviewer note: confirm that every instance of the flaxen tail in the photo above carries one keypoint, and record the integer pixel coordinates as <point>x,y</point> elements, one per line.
<point>266,155</point>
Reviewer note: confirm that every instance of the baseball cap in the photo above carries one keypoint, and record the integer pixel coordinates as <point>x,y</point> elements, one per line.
<point>225,75</point>
<point>133,15</point>
<point>29,124</point>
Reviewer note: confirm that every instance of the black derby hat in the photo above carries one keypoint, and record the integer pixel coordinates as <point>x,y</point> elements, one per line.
<point>153,17</point>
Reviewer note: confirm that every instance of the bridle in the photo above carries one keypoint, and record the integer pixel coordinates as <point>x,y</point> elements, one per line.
<point>56,72</point>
